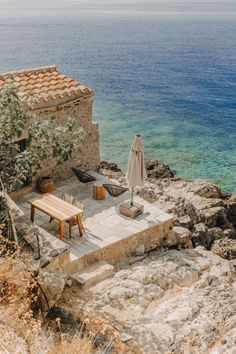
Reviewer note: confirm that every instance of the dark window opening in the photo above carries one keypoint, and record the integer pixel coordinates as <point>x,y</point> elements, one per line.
<point>23,144</point>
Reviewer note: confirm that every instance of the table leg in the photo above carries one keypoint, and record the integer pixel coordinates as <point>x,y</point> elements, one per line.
<point>32,213</point>
<point>80,225</point>
<point>70,226</point>
<point>61,230</point>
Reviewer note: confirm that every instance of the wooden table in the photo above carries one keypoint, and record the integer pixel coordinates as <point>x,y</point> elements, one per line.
<point>57,209</point>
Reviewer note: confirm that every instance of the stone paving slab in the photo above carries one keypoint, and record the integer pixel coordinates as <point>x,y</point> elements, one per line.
<point>103,225</point>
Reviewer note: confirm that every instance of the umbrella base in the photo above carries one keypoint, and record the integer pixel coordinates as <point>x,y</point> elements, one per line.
<point>131,211</point>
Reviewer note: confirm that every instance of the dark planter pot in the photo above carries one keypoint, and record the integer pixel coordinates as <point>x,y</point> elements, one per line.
<point>46,184</point>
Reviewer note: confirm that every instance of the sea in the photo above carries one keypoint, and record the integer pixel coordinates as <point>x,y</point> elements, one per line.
<point>165,69</point>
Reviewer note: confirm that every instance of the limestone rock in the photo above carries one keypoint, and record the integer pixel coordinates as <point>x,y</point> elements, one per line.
<point>199,236</point>
<point>212,217</point>
<point>172,240</point>
<point>216,233</point>
<point>226,248</point>
<point>108,165</point>
<point>229,233</point>
<point>157,170</point>
<point>191,203</point>
<point>184,236</point>
<point>231,209</point>
<point>53,285</point>
<point>184,221</point>
<point>147,193</point>
<point>172,301</point>
<point>205,189</point>
<point>158,190</point>
<point>233,197</point>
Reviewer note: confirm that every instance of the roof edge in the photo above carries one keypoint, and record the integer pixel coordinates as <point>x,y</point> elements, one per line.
<point>39,69</point>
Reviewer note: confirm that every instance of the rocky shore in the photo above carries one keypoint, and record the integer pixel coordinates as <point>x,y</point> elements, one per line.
<point>173,301</point>
<point>203,214</point>
<point>179,298</point>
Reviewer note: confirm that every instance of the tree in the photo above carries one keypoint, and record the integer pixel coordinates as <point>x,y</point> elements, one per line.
<point>17,119</point>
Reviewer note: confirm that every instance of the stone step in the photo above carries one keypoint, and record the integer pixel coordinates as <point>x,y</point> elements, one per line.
<point>93,273</point>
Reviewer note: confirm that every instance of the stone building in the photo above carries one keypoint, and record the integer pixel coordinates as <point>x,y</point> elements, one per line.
<point>58,97</point>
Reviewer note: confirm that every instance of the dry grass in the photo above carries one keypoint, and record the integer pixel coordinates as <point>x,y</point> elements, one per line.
<point>18,295</point>
<point>20,331</point>
<point>79,344</point>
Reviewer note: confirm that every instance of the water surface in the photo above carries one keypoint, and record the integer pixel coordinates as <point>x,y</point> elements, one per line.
<point>164,69</point>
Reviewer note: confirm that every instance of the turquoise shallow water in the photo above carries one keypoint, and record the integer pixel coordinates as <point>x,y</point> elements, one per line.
<point>169,74</point>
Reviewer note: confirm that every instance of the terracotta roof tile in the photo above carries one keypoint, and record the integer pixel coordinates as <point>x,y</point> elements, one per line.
<point>46,83</point>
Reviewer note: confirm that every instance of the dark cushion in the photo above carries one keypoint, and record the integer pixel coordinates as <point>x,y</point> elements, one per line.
<point>83,176</point>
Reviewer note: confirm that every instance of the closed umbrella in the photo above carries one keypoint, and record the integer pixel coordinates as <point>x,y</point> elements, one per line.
<point>136,173</point>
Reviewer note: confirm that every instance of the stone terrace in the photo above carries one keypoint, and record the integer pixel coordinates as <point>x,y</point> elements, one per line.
<point>108,235</point>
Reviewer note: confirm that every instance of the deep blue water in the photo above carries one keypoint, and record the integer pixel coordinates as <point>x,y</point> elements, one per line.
<point>168,72</point>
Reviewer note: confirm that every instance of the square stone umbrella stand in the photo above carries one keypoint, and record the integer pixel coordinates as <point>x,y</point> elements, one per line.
<point>131,210</point>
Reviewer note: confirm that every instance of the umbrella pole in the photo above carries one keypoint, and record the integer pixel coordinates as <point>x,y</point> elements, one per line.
<point>132,196</point>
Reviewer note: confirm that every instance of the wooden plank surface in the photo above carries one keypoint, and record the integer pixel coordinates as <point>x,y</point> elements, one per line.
<point>55,207</point>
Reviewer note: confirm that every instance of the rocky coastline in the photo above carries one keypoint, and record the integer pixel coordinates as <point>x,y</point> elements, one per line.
<point>180,297</point>
<point>203,215</point>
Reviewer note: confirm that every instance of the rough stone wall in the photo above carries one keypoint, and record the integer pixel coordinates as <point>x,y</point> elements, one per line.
<point>149,239</point>
<point>81,111</point>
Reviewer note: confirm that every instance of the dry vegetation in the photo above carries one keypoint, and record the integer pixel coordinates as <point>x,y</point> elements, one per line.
<point>79,344</point>
<point>22,327</point>
<point>18,297</point>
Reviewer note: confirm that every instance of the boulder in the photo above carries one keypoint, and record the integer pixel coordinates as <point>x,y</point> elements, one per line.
<point>184,236</point>
<point>199,236</point>
<point>157,170</point>
<point>233,197</point>
<point>172,240</point>
<point>231,209</point>
<point>52,285</point>
<point>147,192</point>
<point>108,165</point>
<point>184,221</point>
<point>205,189</point>
<point>226,248</point>
<point>216,233</point>
<point>216,216</point>
<point>189,209</point>
<point>229,233</point>
<point>158,191</point>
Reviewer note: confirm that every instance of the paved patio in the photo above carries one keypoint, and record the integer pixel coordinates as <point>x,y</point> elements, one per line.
<point>104,227</point>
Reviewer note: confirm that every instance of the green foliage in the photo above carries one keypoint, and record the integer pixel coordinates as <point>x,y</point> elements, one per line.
<point>17,120</point>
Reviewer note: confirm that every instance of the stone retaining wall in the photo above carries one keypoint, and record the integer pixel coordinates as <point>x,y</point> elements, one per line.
<point>149,239</point>
<point>43,251</point>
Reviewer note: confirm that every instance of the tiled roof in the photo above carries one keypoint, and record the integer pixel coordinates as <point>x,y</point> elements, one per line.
<point>46,84</point>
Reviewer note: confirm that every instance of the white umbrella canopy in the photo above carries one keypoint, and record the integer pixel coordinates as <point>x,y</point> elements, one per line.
<point>136,173</point>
